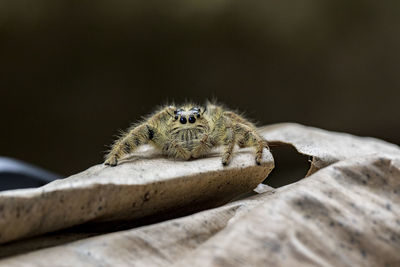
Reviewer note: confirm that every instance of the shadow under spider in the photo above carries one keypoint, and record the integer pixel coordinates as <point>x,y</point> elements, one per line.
<point>152,153</point>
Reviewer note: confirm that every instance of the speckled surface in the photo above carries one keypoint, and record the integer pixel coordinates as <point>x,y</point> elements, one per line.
<point>345,213</point>
<point>143,185</point>
<point>326,147</point>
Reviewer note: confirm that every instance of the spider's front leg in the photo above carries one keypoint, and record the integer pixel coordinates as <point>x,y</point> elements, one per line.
<point>248,137</point>
<point>141,134</point>
<point>173,149</point>
<point>129,142</point>
<point>223,134</point>
<point>203,146</point>
<point>228,140</point>
<point>206,143</point>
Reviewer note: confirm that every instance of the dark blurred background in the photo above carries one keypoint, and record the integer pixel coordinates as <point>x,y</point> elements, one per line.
<point>73,72</point>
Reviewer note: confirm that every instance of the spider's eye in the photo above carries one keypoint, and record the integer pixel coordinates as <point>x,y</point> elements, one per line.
<point>183,120</point>
<point>176,117</point>
<point>198,115</point>
<point>175,111</point>
<point>192,119</point>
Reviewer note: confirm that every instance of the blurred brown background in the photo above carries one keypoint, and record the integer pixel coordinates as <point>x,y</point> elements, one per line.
<point>74,72</point>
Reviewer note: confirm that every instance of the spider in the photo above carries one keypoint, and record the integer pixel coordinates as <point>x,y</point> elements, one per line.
<point>190,131</point>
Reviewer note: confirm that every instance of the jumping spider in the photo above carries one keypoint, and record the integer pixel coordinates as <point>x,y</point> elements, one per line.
<point>188,132</point>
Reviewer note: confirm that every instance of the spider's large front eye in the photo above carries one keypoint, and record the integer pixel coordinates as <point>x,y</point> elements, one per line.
<point>192,119</point>
<point>183,120</point>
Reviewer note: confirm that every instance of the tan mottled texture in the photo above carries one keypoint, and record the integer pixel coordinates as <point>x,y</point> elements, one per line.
<point>325,147</point>
<point>144,185</point>
<point>345,213</point>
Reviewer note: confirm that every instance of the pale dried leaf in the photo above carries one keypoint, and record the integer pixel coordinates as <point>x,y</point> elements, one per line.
<point>142,186</point>
<point>325,147</point>
<point>345,214</point>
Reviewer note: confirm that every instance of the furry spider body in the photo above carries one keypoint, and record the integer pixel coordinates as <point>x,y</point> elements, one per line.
<point>188,132</point>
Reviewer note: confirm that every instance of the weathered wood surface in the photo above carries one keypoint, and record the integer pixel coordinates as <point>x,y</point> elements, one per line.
<point>345,213</point>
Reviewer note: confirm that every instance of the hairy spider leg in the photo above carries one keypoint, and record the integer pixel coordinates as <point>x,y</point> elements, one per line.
<point>138,135</point>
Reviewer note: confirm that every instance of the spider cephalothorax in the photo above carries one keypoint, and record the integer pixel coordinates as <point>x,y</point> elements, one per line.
<point>190,131</point>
